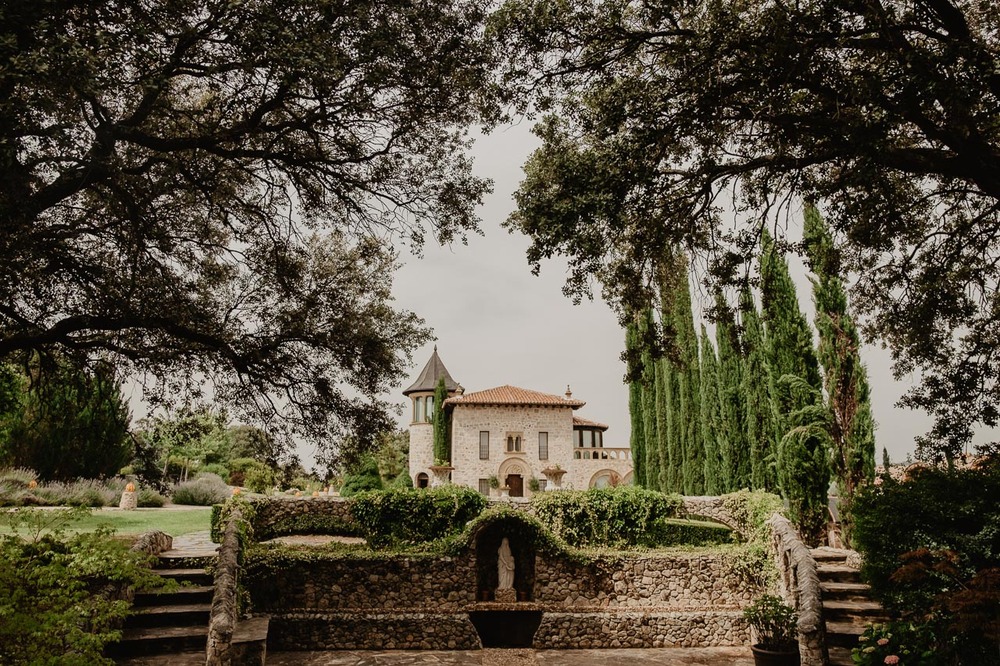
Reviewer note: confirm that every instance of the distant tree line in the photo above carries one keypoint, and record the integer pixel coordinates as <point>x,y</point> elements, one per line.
<point>762,408</point>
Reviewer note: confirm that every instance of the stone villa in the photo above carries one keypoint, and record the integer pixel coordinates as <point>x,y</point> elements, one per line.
<point>510,437</point>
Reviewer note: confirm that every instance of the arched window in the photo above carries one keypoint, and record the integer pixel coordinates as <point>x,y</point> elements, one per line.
<point>429,410</point>
<point>422,480</point>
<point>418,410</point>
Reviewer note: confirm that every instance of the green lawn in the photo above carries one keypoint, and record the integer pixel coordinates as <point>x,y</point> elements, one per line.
<point>172,521</point>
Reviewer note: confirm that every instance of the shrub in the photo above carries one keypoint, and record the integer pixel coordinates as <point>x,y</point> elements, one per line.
<point>365,478</point>
<point>57,606</point>
<point>218,469</point>
<point>396,516</point>
<point>931,548</point>
<point>910,644</point>
<point>206,490</point>
<point>751,510</point>
<point>16,477</point>
<point>259,478</point>
<point>149,498</point>
<point>774,623</point>
<point>402,481</point>
<point>617,517</point>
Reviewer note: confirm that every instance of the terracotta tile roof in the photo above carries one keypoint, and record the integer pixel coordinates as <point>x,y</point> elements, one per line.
<point>429,376</point>
<point>577,421</point>
<point>512,395</point>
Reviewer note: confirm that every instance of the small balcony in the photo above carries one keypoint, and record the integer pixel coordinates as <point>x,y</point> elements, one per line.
<point>603,453</point>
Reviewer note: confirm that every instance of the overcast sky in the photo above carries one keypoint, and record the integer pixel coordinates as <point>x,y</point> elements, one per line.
<point>498,324</point>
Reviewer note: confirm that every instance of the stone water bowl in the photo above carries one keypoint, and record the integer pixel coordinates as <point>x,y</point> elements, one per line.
<point>506,625</point>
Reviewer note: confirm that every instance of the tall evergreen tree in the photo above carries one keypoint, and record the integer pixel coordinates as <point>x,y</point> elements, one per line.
<point>803,473</point>
<point>734,443</point>
<point>756,385</point>
<point>711,426</point>
<point>73,423</point>
<point>650,422</point>
<point>637,438</point>
<point>442,439</point>
<point>666,424</point>
<point>852,428</point>
<point>689,382</point>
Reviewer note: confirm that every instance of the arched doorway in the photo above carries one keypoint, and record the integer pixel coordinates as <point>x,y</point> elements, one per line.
<point>606,478</point>
<point>423,480</point>
<point>512,474</point>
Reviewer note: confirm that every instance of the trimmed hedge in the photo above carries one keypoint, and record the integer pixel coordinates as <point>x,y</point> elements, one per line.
<point>625,516</point>
<point>399,516</point>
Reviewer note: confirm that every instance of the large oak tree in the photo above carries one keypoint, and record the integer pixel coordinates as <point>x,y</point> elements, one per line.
<point>665,118</point>
<point>212,190</point>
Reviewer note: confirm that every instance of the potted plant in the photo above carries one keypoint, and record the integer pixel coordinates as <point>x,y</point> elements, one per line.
<point>774,623</point>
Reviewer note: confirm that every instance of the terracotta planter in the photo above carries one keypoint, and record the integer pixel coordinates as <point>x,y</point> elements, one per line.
<point>769,657</point>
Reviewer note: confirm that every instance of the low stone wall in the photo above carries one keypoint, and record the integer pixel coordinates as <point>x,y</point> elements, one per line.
<point>225,614</point>
<point>681,580</point>
<point>367,631</point>
<point>335,583</point>
<point>153,543</point>
<point>640,630</point>
<point>799,581</point>
<point>712,507</point>
<point>281,516</point>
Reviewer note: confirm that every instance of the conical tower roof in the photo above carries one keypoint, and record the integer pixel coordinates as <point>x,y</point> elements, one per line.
<point>429,376</point>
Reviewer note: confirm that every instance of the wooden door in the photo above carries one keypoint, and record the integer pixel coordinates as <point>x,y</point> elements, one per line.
<point>516,484</point>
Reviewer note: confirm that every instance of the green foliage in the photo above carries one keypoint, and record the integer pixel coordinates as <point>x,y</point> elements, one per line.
<point>734,447</point>
<point>442,425</point>
<point>751,510</point>
<point>925,541</point>
<point>396,516</point>
<point>259,478</point>
<point>711,420</point>
<point>617,517</point>
<point>206,490</point>
<point>393,453</point>
<point>263,266</point>
<point>60,597</point>
<point>217,469</point>
<point>851,426</point>
<point>615,78</point>
<point>71,422</point>
<point>403,480</point>
<point>189,438</point>
<point>911,645</point>
<point>149,498</point>
<point>15,491</point>
<point>637,436</point>
<point>365,477</point>
<point>757,388</point>
<point>774,623</point>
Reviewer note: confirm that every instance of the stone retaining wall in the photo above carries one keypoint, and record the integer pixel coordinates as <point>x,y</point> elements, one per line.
<point>445,583</point>
<point>281,516</point>
<point>368,631</point>
<point>641,630</point>
<point>682,580</point>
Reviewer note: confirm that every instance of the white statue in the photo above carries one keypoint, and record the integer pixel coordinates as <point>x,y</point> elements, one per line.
<point>505,566</point>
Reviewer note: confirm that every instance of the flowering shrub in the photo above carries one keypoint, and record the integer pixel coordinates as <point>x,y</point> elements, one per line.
<point>894,643</point>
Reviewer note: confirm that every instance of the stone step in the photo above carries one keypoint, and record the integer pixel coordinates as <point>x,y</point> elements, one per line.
<point>176,615</point>
<point>843,634</point>
<point>141,641</point>
<point>197,576</point>
<point>187,658</point>
<point>838,610</point>
<point>182,560</point>
<point>845,591</point>
<point>829,555</point>
<point>194,594</point>
<point>840,656</point>
<point>838,573</point>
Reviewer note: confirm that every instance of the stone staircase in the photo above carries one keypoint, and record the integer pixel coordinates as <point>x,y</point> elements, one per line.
<point>169,627</point>
<point>847,604</point>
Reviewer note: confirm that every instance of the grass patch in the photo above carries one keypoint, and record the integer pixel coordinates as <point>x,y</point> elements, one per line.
<point>174,522</point>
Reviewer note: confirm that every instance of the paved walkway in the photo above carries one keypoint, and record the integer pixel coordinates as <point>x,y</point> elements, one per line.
<point>725,656</point>
<point>192,544</point>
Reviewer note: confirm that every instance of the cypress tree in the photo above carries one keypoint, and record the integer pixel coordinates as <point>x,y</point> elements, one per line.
<point>852,428</point>
<point>648,391</point>
<point>689,382</point>
<point>711,431</point>
<point>756,388</point>
<point>803,471</point>
<point>734,444</point>
<point>666,418</point>
<point>637,439</point>
<point>442,442</point>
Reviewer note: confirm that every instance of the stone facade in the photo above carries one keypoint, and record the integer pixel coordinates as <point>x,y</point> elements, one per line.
<point>642,629</point>
<point>508,411</point>
<point>372,630</point>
